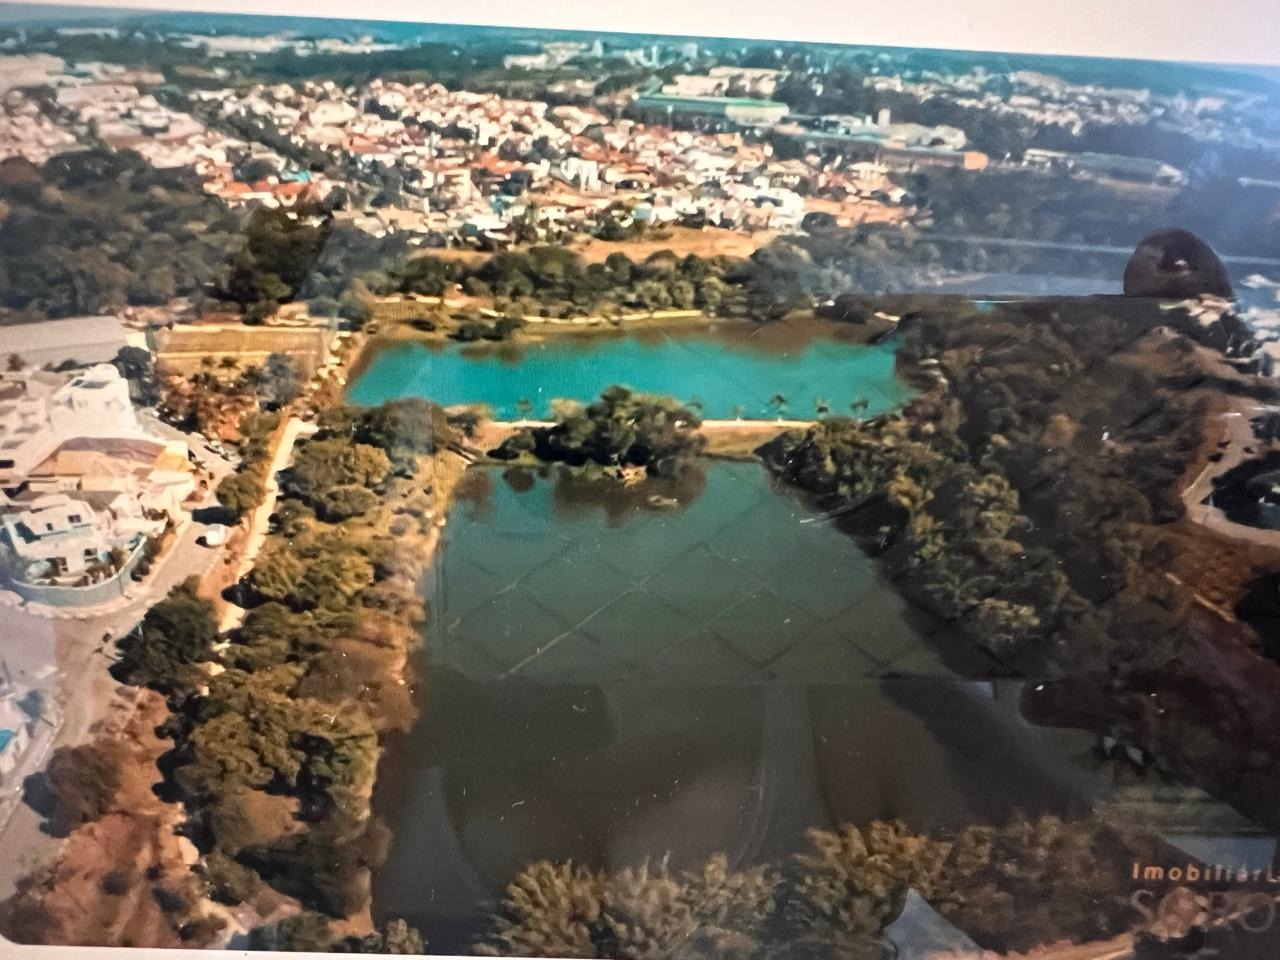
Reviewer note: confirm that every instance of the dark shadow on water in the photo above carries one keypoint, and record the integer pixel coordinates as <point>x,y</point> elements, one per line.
<point>520,479</point>
<point>579,491</point>
<point>1247,492</point>
<point>500,774</point>
<point>475,492</point>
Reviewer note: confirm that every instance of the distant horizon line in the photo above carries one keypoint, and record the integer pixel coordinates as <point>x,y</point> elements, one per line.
<point>404,13</point>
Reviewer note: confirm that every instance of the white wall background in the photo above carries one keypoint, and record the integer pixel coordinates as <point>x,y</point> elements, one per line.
<point>1224,31</point>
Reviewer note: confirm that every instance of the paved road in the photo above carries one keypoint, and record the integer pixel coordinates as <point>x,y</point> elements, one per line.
<point>76,650</point>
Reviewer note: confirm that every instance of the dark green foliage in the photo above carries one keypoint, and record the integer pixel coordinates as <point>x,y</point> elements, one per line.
<point>227,881</point>
<point>1037,881</point>
<point>1014,887</point>
<point>281,247</point>
<point>946,529</point>
<point>988,512</point>
<point>95,230</point>
<point>853,883</point>
<point>403,429</point>
<point>473,329</point>
<point>76,787</point>
<point>564,284</point>
<point>242,491</point>
<point>321,465</point>
<point>175,637</point>
<point>427,275</point>
<point>312,932</point>
<point>318,574</point>
<point>135,365</point>
<point>647,912</point>
<point>280,383</point>
<point>621,429</point>
<point>343,502</point>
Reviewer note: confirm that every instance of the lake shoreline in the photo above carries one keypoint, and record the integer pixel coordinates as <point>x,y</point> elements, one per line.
<point>725,369</point>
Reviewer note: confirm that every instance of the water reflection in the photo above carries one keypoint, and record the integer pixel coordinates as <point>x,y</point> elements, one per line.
<point>579,491</point>
<point>735,368</point>
<point>506,773</point>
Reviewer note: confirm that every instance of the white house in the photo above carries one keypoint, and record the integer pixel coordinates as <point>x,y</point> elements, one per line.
<point>40,411</point>
<point>60,534</point>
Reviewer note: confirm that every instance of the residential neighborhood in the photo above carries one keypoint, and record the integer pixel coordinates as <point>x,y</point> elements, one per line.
<point>536,492</point>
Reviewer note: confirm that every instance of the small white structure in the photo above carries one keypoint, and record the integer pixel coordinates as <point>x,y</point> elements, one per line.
<point>15,736</point>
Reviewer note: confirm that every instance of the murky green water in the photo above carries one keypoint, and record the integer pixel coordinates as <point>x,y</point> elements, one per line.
<point>608,682</point>
<point>559,579</point>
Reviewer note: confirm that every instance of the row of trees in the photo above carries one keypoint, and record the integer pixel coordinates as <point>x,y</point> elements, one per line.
<point>275,755</point>
<point>790,273</point>
<point>1015,887</point>
<point>947,532</point>
<point>1017,497</point>
<point>244,490</point>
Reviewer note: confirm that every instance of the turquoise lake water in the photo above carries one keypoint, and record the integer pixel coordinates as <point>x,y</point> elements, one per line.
<point>732,372</point>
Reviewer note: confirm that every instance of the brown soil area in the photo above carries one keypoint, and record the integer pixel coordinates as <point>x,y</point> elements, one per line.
<point>709,242</point>
<point>122,880</point>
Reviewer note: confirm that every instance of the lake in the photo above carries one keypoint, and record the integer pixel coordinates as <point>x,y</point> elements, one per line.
<point>545,575</point>
<point>608,681</point>
<point>733,369</point>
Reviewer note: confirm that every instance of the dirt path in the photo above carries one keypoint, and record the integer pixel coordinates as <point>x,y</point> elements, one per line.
<point>231,616</point>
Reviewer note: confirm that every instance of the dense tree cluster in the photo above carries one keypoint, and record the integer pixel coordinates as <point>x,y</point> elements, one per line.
<point>337,478</point>
<point>649,912</point>
<point>243,490</point>
<point>1031,882</point>
<point>136,365</point>
<point>949,530</point>
<point>621,429</point>
<point>555,280</point>
<point>77,786</point>
<point>280,250</point>
<point>169,649</point>
<point>1011,497</point>
<point>795,272</point>
<point>1003,886</point>
<point>313,933</point>
<point>92,231</point>
<point>274,754</point>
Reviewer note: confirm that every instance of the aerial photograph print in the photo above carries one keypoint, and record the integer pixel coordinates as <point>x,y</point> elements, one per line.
<point>478,490</point>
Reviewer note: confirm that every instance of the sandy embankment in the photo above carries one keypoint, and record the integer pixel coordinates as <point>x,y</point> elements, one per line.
<point>441,473</point>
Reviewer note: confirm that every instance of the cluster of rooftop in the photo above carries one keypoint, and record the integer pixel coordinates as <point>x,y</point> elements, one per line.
<point>81,483</point>
<point>1049,101</point>
<point>454,164</point>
